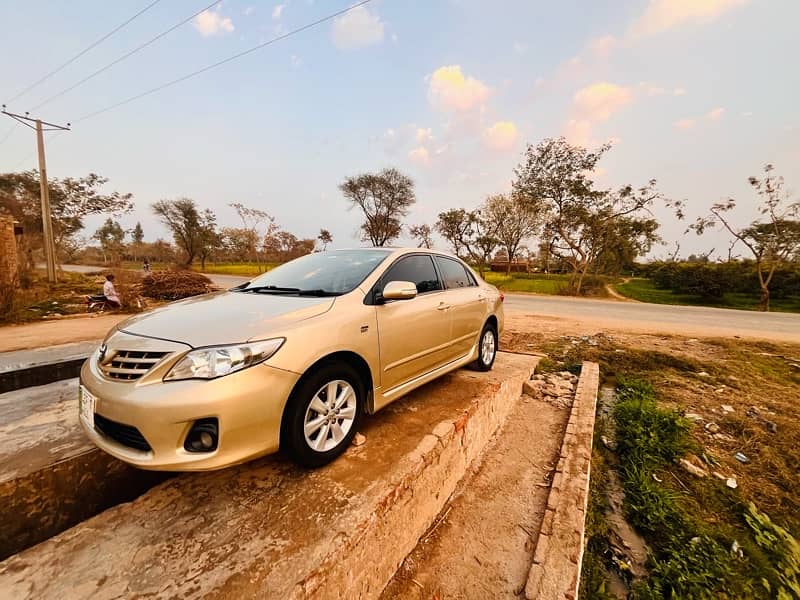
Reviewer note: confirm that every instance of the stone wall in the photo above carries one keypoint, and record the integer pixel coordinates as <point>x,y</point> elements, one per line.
<point>8,249</point>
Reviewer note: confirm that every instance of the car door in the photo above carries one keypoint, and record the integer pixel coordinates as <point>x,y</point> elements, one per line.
<point>467,306</point>
<point>414,334</point>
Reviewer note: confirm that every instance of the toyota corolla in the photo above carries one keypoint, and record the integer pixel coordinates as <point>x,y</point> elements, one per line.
<point>292,359</point>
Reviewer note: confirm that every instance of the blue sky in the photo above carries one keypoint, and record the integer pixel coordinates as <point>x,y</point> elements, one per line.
<point>698,94</point>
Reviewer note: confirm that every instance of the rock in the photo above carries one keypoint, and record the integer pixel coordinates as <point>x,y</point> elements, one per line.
<point>610,444</point>
<point>693,417</point>
<point>690,467</point>
<point>538,377</point>
<point>359,440</point>
<point>731,483</point>
<point>719,390</point>
<point>724,437</point>
<point>741,458</point>
<point>727,408</point>
<point>703,374</point>
<point>712,428</point>
<point>530,388</point>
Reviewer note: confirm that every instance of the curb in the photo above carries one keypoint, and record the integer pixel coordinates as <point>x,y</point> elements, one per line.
<point>556,570</point>
<point>28,368</point>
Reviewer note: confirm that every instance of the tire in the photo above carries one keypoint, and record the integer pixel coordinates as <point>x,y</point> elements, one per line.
<point>334,431</point>
<point>487,349</point>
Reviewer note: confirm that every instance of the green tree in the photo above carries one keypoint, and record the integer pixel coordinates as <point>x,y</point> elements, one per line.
<point>512,221</point>
<point>422,233</point>
<point>554,178</point>
<point>471,236</point>
<point>193,231</point>
<point>774,240</point>
<point>325,237</point>
<point>384,198</point>
<point>71,200</point>
<point>137,235</point>
<point>112,240</point>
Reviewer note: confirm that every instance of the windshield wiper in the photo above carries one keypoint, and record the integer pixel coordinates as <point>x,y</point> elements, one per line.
<point>273,289</point>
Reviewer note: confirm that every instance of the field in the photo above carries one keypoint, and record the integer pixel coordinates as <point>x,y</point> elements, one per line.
<point>717,527</point>
<point>643,290</point>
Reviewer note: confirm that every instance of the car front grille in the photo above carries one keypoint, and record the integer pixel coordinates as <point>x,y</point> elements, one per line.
<point>127,435</point>
<point>129,365</point>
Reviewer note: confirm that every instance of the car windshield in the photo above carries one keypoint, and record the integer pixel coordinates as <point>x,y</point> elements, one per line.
<point>320,274</point>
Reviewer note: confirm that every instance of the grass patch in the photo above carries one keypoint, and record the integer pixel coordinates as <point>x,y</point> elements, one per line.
<point>534,284</point>
<point>243,269</point>
<point>644,290</point>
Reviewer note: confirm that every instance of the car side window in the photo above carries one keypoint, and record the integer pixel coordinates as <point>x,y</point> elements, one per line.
<point>416,268</point>
<point>471,276</point>
<point>453,273</point>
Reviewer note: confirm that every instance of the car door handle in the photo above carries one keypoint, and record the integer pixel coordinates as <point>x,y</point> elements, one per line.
<point>442,306</point>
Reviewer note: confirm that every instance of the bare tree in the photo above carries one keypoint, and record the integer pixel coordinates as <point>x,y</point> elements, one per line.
<point>325,237</point>
<point>512,221</point>
<point>422,233</point>
<point>555,180</point>
<point>253,220</point>
<point>772,241</point>
<point>384,198</point>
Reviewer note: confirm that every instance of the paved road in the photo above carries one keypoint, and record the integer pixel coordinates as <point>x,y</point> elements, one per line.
<point>635,316</point>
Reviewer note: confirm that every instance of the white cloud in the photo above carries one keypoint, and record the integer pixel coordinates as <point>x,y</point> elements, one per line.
<point>356,29</point>
<point>598,101</point>
<point>450,89</point>
<point>210,22</point>
<point>685,124</point>
<point>602,46</point>
<point>249,11</point>
<point>419,156</point>
<point>661,15</point>
<point>277,11</point>
<point>595,104</point>
<point>716,114</point>
<point>502,136</point>
<point>424,135</point>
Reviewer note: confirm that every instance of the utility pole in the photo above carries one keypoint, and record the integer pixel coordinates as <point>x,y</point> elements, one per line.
<point>49,242</point>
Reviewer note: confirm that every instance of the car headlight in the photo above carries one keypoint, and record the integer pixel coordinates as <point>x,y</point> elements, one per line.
<point>209,363</point>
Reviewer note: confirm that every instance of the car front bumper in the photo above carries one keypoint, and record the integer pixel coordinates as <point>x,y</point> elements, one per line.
<point>247,404</point>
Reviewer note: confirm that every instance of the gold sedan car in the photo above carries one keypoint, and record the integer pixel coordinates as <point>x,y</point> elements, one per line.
<point>292,359</point>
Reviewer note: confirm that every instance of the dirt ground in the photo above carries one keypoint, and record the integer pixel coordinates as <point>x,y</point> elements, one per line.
<point>483,542</point>
<point>57,331</point>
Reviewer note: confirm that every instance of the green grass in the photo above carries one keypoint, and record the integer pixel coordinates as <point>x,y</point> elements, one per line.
<point>644,290</point>
<point>531,283</point>
<point>244,269</point>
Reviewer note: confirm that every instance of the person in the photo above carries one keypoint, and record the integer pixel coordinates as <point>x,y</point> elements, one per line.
<point>146,266</point>
<point>109,295</point>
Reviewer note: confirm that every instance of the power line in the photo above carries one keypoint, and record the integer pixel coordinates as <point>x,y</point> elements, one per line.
<point>123,57</point>
<point>223,61</point>
<point>84,51</point>
<point>8,134</point>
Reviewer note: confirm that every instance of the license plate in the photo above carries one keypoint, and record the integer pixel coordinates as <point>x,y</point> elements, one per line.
<point>86,405</point>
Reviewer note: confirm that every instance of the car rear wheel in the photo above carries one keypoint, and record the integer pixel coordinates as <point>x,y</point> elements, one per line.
<point>487,348</point>
<point>323,415</point>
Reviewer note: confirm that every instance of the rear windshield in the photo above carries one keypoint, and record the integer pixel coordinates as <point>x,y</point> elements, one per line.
<point>334,272</point>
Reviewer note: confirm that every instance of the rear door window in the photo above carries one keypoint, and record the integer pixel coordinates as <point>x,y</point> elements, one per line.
<point>417,269</point>
<point>453,273</point>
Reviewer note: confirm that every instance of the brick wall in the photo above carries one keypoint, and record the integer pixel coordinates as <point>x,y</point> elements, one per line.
<point>8,249</point>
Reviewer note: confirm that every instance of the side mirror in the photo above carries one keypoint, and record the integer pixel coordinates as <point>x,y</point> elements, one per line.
<point>399,290</point>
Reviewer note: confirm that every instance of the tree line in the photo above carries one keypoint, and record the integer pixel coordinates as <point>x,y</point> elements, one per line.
<point>554,210</point>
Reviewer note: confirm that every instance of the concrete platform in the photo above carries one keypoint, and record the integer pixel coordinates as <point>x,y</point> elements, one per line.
<point>271,530</point>
<point>39,366</point>
<point>52,476</point>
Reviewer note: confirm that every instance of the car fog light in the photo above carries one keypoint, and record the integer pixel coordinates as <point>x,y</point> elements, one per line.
<point>203,436</point>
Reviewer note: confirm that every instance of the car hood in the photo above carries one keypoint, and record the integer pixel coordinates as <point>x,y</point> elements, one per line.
<point>225,317</point>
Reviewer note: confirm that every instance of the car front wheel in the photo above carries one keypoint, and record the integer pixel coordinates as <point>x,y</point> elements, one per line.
<point>323,415</point>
